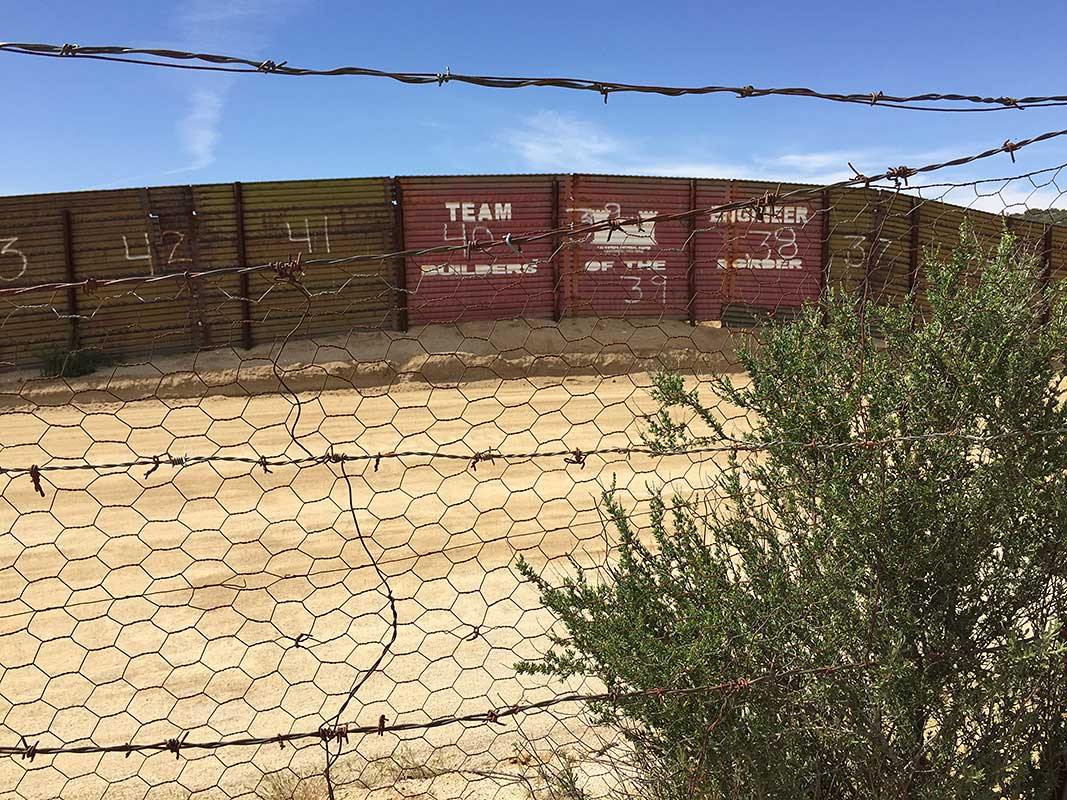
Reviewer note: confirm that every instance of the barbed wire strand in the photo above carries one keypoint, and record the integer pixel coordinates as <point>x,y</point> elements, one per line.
<point>214,62</point>
<point>328,733</point>
<point>575,456</point>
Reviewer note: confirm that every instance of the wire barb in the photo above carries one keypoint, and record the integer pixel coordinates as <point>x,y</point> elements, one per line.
<point>175,745</point>
<point>899,175</point>
<point>35,476</point>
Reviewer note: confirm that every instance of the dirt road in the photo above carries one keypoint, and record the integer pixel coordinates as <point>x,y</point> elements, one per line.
<point>218,599</point>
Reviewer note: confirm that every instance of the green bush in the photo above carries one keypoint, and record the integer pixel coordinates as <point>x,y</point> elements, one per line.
<point>889,572</point>
<point>67,363</point>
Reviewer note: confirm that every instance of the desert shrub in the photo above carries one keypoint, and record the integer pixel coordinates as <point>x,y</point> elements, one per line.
<point>71,363</point>
<point>887,572</point>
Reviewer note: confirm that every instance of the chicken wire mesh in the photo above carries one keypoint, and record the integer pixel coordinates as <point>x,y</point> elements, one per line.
<point>289,571</point>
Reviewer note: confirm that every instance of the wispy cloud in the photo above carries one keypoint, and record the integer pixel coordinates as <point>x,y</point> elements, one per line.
<point>558,142</point>
<point>198,130</point>
<point>233,24</point>
<point>553,141</point>
<point>239,26</point>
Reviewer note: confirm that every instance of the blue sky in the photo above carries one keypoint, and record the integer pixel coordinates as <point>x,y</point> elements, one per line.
<point>74,124</point>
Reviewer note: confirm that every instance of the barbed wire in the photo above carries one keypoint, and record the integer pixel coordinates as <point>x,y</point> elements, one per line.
<point>291,270</point>
<point>214,62</point>
<point>340,732</point>
<point>571,456</point>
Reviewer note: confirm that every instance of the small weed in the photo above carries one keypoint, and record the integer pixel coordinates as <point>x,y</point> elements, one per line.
<point>64,363</point>
<point>404,765</point>
<point>287,786</point>
<point>557,776</point>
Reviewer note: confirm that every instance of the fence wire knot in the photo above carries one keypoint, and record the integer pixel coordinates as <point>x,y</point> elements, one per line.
<point>263,464</point>
<point>90,285</point>
<point>271,66</point>
<point>175,745</point>
<point>35,476</point>
<point>746,91</point>
<point>613,224</point>
<point>900,174</point>
<point>68,50</point>
<point>381,724</point>
<point>875,97</point>
<point>29,751</point>
<point>444,77</point>
<point>337,733</point>
<point>764,203</point>
<point>859,176</point>
<point>484,455</point>
<point>290,271</point>
<point>492,716</point>
<point>1010,147</point>
<point>154,467</point>
<point>577,457</point>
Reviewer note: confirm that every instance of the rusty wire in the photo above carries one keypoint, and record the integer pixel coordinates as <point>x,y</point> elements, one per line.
<point>330,732</point>
<point>571,456</point>
<point>212,62</point>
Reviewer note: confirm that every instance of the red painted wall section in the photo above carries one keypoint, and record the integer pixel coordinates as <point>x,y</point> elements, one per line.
<point>475,285</point>
<point>769,262</point>
<point>639,270</point>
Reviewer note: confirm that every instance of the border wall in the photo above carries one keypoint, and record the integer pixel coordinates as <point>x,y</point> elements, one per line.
<point>728,267</point>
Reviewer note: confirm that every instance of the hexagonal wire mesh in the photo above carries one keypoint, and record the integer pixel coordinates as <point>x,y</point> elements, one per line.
<point>228,573</point>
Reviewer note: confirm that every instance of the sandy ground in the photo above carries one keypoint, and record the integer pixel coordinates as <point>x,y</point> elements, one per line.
<point>219,600</point>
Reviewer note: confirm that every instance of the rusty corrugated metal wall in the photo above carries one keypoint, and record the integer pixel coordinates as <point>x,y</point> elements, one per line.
<point>633,270</point>
<point>473,284</point>
<point>700,267</point>
<point>768,259</point>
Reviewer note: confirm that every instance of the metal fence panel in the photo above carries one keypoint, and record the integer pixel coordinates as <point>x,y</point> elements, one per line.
<point>473,284</point>
<point>633,270</point>
<point>767,258</point>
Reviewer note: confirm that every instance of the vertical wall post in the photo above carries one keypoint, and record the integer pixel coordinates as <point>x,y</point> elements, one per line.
<point>401,261</point>
<point>74,322</point>
<point>1046,273</point>
<point>247,340</point>
<point>825,255</point>
<point>914,245</point>
<point>557,273</point>
<point>873,260</point>
<point>202,339</point>
<point>691,255</point>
